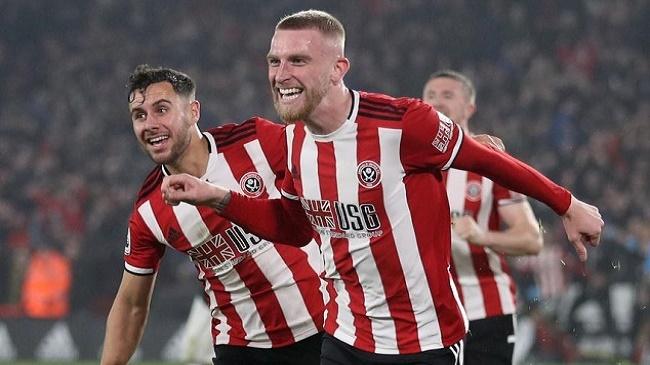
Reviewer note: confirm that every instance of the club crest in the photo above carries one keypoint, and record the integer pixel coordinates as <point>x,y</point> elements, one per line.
<point>369,174</point>
<point>473,191</point>
<point>252,184</point>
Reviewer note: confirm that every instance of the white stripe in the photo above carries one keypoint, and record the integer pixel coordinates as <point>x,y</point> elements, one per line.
<point>454,152</point>
<point>501,279</point>
<point>191,223</point>
<point>311,190</point>
<point>245,308</point>
<point>146,212</point>
<point>222,175</point>
<point>289,196</point>
<point>290,135</point>
<point>256,154</point>
<point>460,250</point>
<point>398,212</point>
<point>287,293</point>
<point>316,262</point>
<point>345,150</point>
<point>222,327</point>
<point>137,270</point>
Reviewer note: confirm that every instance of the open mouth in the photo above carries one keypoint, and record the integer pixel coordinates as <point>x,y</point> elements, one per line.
<point>291,93</point>
<point>157,140</point>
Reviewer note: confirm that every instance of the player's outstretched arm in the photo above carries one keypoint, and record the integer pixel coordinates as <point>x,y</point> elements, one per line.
<point>582,222</point>
<point>583,225</point>
<point>277,220</point>
<point>127,318</point>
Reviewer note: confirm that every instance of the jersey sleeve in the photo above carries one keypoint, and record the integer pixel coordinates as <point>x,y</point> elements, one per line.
<point>430,139</point>
<point>277,220</point>
<point>512,173</point>
<point>142,253</point>
<point>503,196</point>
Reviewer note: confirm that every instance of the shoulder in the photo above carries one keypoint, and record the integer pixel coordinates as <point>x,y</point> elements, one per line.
<point>150,184</point>
<point>246,131</point>
<point>385,107</point>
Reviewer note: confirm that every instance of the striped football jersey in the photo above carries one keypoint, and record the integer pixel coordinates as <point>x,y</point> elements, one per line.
<point>374,194</point>
<point>261,294</point>
<point>481,274</point>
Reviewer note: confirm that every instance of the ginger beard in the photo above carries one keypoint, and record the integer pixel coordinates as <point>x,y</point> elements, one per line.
<point>311,98</point>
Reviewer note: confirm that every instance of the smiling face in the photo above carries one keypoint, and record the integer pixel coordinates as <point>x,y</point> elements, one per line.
<point>301,69</point>
<point>162,121</point>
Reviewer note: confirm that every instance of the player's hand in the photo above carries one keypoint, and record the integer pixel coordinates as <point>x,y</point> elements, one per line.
<point>492,142</point>
<point>467,229</point>
<point>189,189</point>
<point>583,225</point>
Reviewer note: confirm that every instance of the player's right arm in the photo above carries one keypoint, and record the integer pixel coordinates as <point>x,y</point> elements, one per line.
<point>127,318</point>
<point>277,220</point>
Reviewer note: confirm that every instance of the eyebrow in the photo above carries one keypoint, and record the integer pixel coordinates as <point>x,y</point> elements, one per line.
<point>157,102</point>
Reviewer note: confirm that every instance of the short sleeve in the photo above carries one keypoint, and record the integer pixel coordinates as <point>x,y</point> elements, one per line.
<point>142,252</point>
<point>503,196</point>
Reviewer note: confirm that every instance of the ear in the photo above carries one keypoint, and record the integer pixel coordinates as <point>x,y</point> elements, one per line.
<point>195,107</point>
<point>341,67</point>
<point>470,109</point>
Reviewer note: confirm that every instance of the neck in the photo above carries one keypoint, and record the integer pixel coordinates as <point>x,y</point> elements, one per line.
<point>332,111</point>
<point>194,160</point>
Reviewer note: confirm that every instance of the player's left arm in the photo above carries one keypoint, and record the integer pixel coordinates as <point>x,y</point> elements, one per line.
<point>433,140</point>
<point>521,237</point>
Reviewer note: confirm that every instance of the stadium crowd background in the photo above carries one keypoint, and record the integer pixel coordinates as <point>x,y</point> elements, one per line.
<point>565,84</point>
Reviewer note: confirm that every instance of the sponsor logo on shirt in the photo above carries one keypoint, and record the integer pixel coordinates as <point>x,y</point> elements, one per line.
<point>445,128</point>
<point>341,220</point>
<point>369,174</point>
<point>223,251</point>
<point>252,184</point>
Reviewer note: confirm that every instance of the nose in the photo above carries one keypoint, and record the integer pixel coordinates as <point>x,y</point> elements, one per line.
<point>282,72</point>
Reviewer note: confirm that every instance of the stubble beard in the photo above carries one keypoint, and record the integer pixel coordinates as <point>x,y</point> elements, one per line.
<point>313,97</point>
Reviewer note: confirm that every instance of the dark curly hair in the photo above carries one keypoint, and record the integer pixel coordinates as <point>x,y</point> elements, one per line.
<point>145,75</point>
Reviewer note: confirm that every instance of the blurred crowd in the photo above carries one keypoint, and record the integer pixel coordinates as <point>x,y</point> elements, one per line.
<point>565,84</point>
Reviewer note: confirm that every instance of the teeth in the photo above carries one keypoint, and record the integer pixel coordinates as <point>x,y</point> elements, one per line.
<point>293,90</point>
<point>157,139</point>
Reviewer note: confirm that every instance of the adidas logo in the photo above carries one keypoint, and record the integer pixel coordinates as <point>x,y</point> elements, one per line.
<point>172,235</point>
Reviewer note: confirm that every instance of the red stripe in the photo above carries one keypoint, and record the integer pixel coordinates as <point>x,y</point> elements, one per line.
<point>432,227</point>
<point>237,333</point>
<point>494,223</point>
<point>480,260</point>
<point>341,250</point>
<point>379,116</point>
<point>385,253</point>
<point>306,279</point>
<point>267,304</point>
<point>168,223</point>
<point>331,325</point>
<point>296,148</point>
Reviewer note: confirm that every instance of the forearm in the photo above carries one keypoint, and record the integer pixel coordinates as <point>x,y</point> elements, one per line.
<point>276,220</point>
<point>512,174</point>
<point>514,241</point>
<point>124,329</point>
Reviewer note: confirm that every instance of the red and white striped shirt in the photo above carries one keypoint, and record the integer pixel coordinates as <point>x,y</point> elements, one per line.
<point>261,294</point>
<point>481,274</point>
<point>373,192</point>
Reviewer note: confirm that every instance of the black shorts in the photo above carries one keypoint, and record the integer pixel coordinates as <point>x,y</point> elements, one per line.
<point>490,341</point>
<point>304,352</point>
<point>337,352</point>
